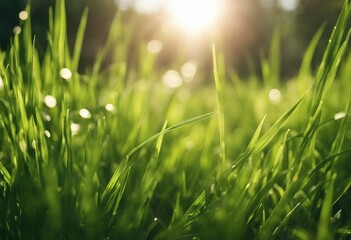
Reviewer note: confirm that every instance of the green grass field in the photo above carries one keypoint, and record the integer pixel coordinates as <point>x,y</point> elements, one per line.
<point>113,154</point>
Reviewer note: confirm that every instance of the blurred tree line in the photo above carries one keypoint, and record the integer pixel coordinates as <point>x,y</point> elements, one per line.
<point>245,30</point>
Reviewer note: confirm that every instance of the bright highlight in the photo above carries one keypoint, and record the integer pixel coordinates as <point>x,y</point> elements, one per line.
<point>84,113</point>
<point>66,74</point>
<point>194,15</point>
<point>1,84</point>
<point>23,15</point>
<point>172,79</point>
<point>50,101</point>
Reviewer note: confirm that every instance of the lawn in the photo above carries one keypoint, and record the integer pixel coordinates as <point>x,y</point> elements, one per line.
<point>120,152</point>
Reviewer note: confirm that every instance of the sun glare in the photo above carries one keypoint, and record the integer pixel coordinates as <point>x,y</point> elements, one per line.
<point>194,15</point>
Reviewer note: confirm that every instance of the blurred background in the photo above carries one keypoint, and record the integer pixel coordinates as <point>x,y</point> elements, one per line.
<point>243,29</point>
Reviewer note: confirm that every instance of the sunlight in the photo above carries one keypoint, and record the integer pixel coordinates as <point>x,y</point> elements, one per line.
<point>289,5</point>
<point>194,15</point>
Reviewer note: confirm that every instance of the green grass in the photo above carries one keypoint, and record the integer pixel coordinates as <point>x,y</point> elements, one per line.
<point>219,161</point>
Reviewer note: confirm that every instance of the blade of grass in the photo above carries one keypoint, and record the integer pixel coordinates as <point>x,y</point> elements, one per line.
<point>79,41</point>
<point>220,108</point>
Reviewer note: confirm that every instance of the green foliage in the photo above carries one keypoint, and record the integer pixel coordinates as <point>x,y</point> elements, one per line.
<point>119,156</point>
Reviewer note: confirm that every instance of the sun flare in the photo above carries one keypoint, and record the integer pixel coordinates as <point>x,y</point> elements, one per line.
<point>194,16</point>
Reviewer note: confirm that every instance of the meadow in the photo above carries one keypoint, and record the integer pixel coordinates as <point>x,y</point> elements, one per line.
<point>114,153</point>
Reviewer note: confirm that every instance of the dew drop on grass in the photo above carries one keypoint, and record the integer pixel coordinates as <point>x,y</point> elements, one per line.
<point>1,84</point>
<point>172,79</point>
<point>339,115</point>
<point>84,113</point>
<point>154,46</point>
<point>275,96</point>
<point>155,219</point>
<point>75,128</point>
<point>23,15</point>
<point>50,101</point>
<point>66,74</point>
<point>47,133</point>
<point>110,107</point>
<point>17,30</point>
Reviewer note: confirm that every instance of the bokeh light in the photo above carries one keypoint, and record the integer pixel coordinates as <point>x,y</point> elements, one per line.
<point>275,96</point>
<point>110,107</point>
<point>84,113</point>
<point>65,73</point>
<point>188,70</point>
<point>154,46</point>
<point>23,15</point>
<point>17,30</point>
<point>47,134</point>
<point>172,79</point>
<point>75,128</point>
<point>50,101</point>
<point>46,116</point>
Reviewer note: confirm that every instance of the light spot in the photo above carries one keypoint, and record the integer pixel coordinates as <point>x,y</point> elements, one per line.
<point>1,84</point>
<point>275,96</point>
<point>17,30</point>
<point>289,5</point>
<point>110,107</point>
<point>188,70</point>
<point>23,15</point>
<point>66,74</point>
<point>50,101</point>
<point>23,146</point>
<point>46,116</point>
<point>155,219</point>
<point>339,115</point>
<point>84,113</point>
<point>47,134</point>
<point>34,144</point>
<point>154,46</point>
<point>194,16</point>
<point>75,128</point>
<point>172,79</point>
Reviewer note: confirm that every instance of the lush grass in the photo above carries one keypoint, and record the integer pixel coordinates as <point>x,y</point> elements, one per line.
<point>213,162</point>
